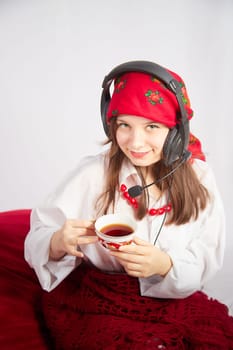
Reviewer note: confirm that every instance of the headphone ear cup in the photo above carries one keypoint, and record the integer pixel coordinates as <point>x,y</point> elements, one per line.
<point>173,146</point>
<point>105,100</point>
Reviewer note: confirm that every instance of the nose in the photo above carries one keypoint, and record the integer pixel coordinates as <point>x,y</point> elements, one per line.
<point>136,139</point>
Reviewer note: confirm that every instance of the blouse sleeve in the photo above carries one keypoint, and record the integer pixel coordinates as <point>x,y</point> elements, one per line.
<point>198,257</point>
<point>44,222</point>
<point>74,198</point>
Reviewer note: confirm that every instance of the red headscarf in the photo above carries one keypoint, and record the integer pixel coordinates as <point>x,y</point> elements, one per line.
<point>143,95</point>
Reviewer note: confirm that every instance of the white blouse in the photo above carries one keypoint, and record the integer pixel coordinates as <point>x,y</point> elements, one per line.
<point>196,248</point>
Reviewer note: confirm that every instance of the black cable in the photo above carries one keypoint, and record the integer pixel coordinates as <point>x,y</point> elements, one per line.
<point>165,215</point>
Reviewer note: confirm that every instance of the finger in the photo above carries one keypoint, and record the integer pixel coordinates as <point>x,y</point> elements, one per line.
<point>133,270</point>
<point>75,252</point>
<point>81,223</point>
<point>91,232</point>
<point>139,247</point>
<point>126,257</point>
<point>134,273</point>
<point>132,267</point>
<point>85,231</point>
<point>79,254</point>
<point>140,241</point>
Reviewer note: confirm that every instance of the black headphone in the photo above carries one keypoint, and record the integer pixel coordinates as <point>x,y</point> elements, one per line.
<point>176,143</point>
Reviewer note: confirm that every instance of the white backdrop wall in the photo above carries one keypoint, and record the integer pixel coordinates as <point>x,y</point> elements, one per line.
<point>54,55</point>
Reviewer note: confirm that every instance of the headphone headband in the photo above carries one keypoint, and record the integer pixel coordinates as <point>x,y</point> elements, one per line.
<point>139,66</point>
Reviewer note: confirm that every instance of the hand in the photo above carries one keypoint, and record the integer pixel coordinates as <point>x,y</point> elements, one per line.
<point>72,234</point>
<point>143,259</point>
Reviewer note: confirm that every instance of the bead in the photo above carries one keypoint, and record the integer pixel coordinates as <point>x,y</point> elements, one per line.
<point>123,188</point>
<point>168,208</point>
<point>132,200</point>
<point>126,195</point>
<point>161,211</point>
<point>153,211</point>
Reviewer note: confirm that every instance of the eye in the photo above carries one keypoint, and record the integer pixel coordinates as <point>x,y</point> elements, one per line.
<point>122,125</point>
<point>153,126</point>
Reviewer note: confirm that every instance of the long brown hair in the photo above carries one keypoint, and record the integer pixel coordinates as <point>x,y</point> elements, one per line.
<point>184,190</point>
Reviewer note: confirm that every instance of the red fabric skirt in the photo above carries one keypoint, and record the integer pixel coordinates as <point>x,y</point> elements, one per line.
<point>93,310</point>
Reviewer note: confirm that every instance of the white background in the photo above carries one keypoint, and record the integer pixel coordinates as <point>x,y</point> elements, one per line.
<point>54,55</point>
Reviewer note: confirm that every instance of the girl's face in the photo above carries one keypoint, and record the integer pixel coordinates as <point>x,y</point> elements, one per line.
<point>140,139</point>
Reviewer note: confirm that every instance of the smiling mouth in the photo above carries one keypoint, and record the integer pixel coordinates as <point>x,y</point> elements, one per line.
<point>138,154</point>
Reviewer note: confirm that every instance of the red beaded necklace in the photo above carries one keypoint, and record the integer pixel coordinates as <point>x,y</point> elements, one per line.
<point>152,211</point>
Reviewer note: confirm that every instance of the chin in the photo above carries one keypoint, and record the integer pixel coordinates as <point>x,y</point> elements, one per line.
<point>144,162</point>
<point>138,162</point>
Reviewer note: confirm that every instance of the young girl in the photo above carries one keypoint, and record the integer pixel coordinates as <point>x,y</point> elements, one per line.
<point>146,295</point>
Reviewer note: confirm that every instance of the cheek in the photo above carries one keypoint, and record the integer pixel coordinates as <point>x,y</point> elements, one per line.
<point>121,138</point>
<point>163,136</point>
<point>159,140</point>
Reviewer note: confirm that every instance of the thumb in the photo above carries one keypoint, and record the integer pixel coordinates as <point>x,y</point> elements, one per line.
<point>140,241</point>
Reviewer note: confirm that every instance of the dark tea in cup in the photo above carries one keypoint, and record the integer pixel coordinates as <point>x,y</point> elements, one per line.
<point>117,230</point>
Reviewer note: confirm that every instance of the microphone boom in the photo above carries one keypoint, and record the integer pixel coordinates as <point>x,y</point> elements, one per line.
<point>135,191</point>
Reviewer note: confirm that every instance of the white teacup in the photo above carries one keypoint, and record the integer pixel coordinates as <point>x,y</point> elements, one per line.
<point>114,230</point>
